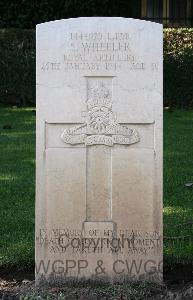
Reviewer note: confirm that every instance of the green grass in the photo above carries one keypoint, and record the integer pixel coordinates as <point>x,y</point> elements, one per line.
<point>178,199</point>
<point>17,186</point>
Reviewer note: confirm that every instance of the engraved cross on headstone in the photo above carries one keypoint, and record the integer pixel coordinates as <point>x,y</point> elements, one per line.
<point>99,133</point>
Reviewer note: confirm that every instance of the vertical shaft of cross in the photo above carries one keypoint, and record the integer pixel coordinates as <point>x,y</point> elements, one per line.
<point>99,183</point>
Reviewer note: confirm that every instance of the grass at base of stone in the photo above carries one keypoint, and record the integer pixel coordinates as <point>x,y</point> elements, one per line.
<point>88,291</point>
<point>95,291</point>
<point>17,187</point>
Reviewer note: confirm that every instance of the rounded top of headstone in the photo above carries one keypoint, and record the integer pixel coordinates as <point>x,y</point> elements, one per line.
<point>102,20</point>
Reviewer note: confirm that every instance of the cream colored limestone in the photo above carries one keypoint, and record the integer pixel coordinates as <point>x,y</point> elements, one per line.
<point>99,149</point>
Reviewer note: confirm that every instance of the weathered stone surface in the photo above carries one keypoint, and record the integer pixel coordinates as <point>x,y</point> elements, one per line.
<point>99,149</point>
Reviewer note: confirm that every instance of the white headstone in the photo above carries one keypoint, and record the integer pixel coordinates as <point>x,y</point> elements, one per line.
<point>99,149</point>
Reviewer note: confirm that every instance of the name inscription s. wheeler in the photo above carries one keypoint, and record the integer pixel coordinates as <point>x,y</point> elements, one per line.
<point>100,127</point>
<point>94,51</point>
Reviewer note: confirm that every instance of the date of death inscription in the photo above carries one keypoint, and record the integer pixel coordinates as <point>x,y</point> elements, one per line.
<point>95,51</point>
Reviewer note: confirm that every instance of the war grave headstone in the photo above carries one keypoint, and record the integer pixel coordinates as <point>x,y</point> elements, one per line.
<point>99,149</point>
